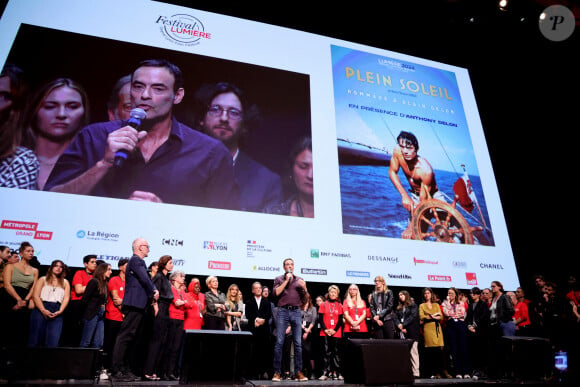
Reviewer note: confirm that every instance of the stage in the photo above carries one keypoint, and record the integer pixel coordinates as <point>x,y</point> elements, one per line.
<point>286,383</point>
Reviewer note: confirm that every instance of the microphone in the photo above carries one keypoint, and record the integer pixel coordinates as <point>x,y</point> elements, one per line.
<point>135,118</point>
<point>289,275</point>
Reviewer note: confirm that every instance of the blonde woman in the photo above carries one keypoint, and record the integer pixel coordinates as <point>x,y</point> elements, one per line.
<point>330,316</point>
<point>215,303</point>
<point>355,314</point>
<point>382,310</point>
<point>234,308</point>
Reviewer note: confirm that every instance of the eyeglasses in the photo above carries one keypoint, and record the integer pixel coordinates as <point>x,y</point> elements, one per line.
<point>218,111</point>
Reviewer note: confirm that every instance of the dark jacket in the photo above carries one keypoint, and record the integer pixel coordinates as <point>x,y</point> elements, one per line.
<point>409,317</point>
<point>92,300</point>
<point>382,305</point>
<point>139,288</point>
<point>253,312</point>
<point>478,316</point>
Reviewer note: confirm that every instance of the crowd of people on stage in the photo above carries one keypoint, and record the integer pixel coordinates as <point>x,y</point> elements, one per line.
<point>49,142</point>
<point>138,317</point>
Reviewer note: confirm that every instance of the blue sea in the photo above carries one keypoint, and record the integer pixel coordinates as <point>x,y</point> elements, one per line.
<point>372,206</point>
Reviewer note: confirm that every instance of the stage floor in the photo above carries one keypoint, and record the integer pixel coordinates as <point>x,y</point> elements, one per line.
<point>285,383</point>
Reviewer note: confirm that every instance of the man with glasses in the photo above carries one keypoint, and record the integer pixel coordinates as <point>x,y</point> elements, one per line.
<point>119,104</point>
<point>223,112</point>
<point>139,293</point>
<point>164,160</point>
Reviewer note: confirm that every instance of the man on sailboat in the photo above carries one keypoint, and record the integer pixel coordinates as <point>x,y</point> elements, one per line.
<point>418,171</point>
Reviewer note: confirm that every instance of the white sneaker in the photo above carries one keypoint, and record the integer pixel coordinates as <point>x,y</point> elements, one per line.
<point>466,376</point>
<point>323,377</point>
<point>103,375</point>
<point>459,377</point>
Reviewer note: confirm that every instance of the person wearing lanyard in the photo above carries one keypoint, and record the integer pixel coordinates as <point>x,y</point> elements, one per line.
<point>355,314</point>
<point>456,330</point>
<point>289,289</point>
<point>330,317</point>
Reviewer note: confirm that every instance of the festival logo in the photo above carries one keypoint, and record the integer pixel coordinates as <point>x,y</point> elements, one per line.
<point>459,264</point>
<point>314,253</point>
<point>182,29</point>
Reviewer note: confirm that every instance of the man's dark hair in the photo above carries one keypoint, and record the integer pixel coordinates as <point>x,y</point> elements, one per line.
<point>206,93</point>
<point>475,290</point>
<point>122,261</point>
<point>114,97</point>
<point>173,69</point>
<point>87,258</point>
<point>408,137</point>
<point>2,248</point>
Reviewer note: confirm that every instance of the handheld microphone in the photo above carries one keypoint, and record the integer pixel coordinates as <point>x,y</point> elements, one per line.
<point>135,118</point>
<point>289,275</point>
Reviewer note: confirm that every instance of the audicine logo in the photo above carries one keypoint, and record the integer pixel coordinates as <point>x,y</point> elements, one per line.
<point>182,29</point>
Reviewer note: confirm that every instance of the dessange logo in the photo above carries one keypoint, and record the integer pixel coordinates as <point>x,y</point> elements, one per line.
<point>182,29</point>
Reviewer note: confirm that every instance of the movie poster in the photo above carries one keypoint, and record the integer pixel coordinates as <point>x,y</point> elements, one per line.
<point>377,98</point>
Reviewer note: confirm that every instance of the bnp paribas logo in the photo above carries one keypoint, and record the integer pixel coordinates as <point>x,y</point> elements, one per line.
<point>314,253</point>
<point>182,29</point>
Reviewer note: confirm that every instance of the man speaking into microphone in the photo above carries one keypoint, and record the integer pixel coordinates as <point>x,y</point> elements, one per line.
<point>290,290</point>
<point>155,158</point>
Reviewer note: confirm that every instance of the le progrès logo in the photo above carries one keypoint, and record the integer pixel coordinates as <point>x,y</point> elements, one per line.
<point>182,29</point>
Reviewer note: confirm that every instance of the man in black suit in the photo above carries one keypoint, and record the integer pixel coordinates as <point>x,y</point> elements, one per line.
<point>258,312</point>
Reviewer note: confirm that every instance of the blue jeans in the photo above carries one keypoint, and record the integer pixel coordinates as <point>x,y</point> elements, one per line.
<point>45,331</point>
<point>94,331</point>
<point>285,317</point>
<point>508,328</point>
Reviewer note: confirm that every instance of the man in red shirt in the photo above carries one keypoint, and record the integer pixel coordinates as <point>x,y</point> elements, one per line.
<point>113,316</point>
<point>72,318</point>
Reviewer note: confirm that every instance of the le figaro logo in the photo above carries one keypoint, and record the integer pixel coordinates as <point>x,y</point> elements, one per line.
<point>182,29</point>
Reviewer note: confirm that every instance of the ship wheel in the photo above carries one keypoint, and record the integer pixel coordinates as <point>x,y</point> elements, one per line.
<point>439,221</point>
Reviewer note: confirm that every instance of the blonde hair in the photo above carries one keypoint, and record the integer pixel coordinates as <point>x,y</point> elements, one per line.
<point>209,279</point>
<point>357,301</point>
<point>235,301</point>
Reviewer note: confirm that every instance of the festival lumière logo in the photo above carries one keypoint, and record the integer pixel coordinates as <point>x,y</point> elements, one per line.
<point>182,29</point>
